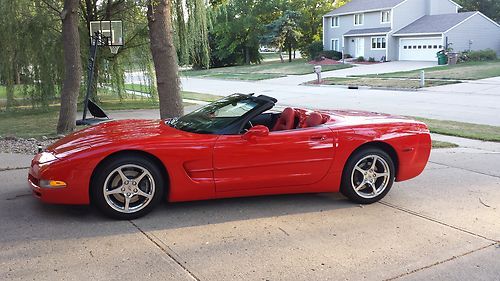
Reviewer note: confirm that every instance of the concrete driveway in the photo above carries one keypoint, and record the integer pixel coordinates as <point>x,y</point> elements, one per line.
<point>442,225</point>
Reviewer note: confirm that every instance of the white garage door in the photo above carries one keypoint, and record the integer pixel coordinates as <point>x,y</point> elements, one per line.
<point>422,49</point>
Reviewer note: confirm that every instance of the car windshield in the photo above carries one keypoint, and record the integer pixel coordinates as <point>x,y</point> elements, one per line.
<point>215,116</point>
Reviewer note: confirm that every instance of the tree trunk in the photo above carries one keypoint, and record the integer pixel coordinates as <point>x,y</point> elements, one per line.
<point>164,58</point>
<point>289,52</point>
<point>72,67</point>
<point>247,55</point>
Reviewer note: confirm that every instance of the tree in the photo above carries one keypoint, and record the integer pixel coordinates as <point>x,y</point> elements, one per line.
<point>310,21</point>
<point>284,32</point>
<point>164,57</point>
<point>237,27</point>
<point>72,66</point>
<point>491,8</point>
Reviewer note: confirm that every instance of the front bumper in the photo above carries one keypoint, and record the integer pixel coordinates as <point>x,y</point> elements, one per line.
<point>75,192</point>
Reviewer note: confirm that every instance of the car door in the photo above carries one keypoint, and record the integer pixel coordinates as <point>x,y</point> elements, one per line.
<point>282,158</point>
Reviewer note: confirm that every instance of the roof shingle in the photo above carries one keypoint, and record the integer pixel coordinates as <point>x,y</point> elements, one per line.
<point>434,23</point>
<point>381,30</point>
<point>364,5</point>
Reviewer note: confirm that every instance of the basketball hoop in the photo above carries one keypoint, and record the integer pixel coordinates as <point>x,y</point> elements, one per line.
<point>102,33</point>
<point>114,49</point>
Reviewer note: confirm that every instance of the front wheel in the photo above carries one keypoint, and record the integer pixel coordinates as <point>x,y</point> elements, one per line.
<point>368,176</point>
<point>127,187</point>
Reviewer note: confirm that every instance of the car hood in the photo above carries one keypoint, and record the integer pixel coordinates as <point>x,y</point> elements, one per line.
<point>112,132</point>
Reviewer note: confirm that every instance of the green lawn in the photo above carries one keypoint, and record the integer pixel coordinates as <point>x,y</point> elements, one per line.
<point>443,144</point>
<point>462,71</point>
<point>19,91</point>
<point>383,82</point>
<point>461,129</point>
<point>186,95</point>
<point>265,70</point>
<point>27,123</point>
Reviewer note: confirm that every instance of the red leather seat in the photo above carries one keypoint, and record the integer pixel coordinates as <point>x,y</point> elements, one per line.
<point>286,120</point>
<point>314,119</point>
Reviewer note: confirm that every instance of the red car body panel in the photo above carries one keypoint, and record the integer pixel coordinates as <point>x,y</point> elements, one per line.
<point>205,166</point>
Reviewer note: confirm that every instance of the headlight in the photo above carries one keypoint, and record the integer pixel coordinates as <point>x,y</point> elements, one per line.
<point>46,157</point>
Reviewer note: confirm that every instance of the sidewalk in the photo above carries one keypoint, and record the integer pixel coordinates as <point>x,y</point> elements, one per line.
<point>359,69</point>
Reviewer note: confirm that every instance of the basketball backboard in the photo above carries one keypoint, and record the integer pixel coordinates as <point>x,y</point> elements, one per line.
<point>109,32</point>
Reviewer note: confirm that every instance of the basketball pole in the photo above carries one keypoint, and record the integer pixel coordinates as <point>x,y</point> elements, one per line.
<point>90,70</point>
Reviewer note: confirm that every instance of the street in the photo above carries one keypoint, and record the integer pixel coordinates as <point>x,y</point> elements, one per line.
<point>443,225</point>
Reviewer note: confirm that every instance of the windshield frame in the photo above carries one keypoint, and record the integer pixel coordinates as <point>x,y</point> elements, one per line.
<point>233,127</point>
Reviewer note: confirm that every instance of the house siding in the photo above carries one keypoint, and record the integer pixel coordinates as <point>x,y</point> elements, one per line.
<point>483,33</point>
<point>346,23</point>
<point>403,15</point>
<point>439,7</point>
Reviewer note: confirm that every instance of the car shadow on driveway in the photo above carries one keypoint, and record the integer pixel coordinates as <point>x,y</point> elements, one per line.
<point>21,213</point>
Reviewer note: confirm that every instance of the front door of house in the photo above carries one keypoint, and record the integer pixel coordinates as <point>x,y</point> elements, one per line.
<point>359,47</point>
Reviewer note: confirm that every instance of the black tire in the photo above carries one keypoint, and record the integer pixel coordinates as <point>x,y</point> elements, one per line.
<point>143,195</point>
<point>353,178</point>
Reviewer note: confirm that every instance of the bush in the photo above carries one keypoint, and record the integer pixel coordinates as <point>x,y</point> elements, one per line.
<point>360,59</point>
<point>371,59</point>
<point>482,55</point>
<point>347,56</point>
<point>334,55</point>
<point>314,49</point>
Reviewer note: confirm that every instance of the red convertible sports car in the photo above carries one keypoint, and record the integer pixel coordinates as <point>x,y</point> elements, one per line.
<point>236,146</point>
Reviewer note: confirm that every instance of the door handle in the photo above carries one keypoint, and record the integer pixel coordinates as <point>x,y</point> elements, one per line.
<point>318,138</point>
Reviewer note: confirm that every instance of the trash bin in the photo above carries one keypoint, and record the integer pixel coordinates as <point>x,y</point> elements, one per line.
<point>452,58</point>
<point>442,58</point>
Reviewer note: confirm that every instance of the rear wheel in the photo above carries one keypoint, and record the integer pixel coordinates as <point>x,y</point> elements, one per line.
<point>368,176</point>
<point>127,187</point>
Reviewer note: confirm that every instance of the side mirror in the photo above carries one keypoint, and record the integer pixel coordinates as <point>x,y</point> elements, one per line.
<point>256,131</point>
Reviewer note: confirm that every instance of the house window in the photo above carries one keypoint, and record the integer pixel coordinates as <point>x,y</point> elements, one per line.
<point>336,45</point>
<point>358,19</point>
<point>385,17</point>
<point>378,43</point>
<point>335,21</point>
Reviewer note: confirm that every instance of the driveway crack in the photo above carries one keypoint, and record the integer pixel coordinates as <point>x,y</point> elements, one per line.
<point>468,170</point>
<point>13,168</point>
<point>439,262</point>
<point>414,213</point>
<point>168,251</point>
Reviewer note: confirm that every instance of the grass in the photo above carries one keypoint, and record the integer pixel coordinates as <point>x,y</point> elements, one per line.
<point>443,144</point>
<point>384,82</point>
<point>461,129</point>
<point>461,71</point>
<point>186,95</point>
<point>28,123</point>
<point>265,70</point>
<point>18,91</point>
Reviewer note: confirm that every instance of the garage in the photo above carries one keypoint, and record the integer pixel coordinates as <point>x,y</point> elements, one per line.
<point>420,49</point>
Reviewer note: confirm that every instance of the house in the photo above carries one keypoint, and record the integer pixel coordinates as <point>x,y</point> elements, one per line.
<point>407,29</point>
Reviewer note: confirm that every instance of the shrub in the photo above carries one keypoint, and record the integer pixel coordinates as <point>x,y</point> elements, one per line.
<point>482,55</point>
<point>334,55</point>
<point>371,59</point>
<point>360,59</point>
<point>314,49</point>
<point>347,56</point>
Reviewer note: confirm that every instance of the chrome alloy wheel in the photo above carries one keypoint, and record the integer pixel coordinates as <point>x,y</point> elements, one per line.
<point>129,188</point>
<point>370,176</point>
